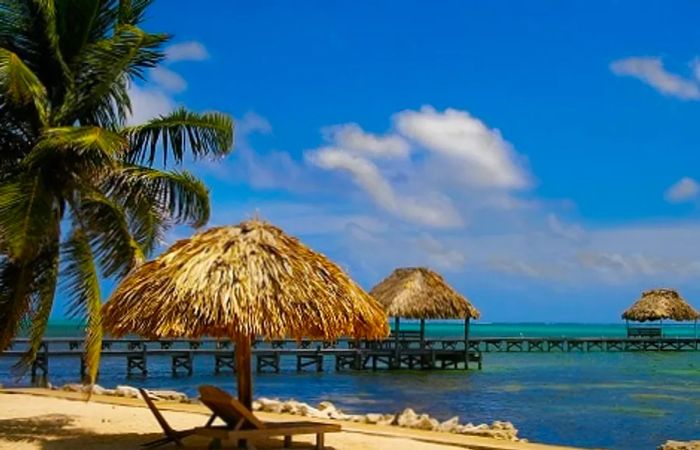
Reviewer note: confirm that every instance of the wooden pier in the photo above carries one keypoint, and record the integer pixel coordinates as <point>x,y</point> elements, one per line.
<point>269,357</point>
<point>308,355</point>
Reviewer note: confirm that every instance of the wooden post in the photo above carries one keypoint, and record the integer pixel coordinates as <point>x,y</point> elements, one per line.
<point>243,371</point>
<point>466,342</point>
<point>422,334</point>
<point>397,356</point>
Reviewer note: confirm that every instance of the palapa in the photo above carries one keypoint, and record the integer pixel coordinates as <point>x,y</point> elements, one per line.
<point>240,282</point>
<point>660,304</point>
<point>420,293</point>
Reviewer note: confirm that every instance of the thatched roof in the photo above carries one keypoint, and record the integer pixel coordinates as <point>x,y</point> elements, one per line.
<point>658,304</point>
<point>420,293</point>
<point>247,279</point>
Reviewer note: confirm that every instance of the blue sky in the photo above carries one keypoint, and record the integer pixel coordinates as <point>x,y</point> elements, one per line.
<point>544,156</point>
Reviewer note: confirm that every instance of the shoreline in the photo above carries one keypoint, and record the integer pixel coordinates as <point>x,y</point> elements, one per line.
<point>33,403</point>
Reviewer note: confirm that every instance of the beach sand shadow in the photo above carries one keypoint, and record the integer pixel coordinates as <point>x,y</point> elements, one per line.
<point>57,432</point>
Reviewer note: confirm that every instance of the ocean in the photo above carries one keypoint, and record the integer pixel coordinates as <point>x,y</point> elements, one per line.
<point>601,400</point>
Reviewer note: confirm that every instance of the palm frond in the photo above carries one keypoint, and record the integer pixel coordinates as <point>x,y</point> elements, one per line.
<point>131,12</point>
<point>42,299</point>
<point>15,292</point>
<point>178,194</point>
<point>207,134</point>
<point>103,67</point>
<point>25,214</point>
<point>93,146</point>
<point>20,85</point>
<point>82,284</point>
<point>105,224</point>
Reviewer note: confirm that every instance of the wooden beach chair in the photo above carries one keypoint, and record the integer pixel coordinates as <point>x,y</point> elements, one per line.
<point>242,425</point>
<point>170,434</point>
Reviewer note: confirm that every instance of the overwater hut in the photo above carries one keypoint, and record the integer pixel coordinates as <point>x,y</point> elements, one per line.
<point>240,283</point>
<point>420,293</point>
<point>657,305</point>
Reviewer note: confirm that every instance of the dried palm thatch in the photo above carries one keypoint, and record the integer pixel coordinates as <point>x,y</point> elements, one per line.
<point>659,304</point>
<point>251,279</point>
<point>240,282</point>
<point>420,293</point>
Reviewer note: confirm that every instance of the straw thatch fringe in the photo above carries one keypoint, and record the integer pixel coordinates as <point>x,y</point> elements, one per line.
<point>249,279</point>
<point>420,293</point>
<point>658,304</point>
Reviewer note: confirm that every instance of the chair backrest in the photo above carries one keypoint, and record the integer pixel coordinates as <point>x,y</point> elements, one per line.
<point>227,408</point>
<point>159,417</point>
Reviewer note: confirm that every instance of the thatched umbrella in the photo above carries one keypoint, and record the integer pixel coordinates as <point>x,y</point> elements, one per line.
<point>420,293</point>
<point>660,304</point>
<point>240,282</point>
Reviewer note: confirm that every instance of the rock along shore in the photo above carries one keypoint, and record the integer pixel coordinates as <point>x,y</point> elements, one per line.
<point>408,418</point>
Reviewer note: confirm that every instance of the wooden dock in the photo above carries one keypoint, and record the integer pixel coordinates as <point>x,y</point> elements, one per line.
<point>391,354</point>
<point>270,356</point>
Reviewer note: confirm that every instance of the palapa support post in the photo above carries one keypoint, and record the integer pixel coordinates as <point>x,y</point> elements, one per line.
<point>422,334</point>
<point>243,371</point>
<point>466,342</point>
<point>397,356</point>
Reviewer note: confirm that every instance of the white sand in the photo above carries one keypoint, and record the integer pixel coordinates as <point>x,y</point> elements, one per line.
<point>54,420</point>
<point>30,422</point>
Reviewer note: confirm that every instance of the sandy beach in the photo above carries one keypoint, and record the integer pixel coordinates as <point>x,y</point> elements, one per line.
<point>44,419</point>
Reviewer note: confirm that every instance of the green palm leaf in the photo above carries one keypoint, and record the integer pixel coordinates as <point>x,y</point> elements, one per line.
<point>25,215</point>
<point>84,299</point>
<point>16,281</point>
<point>42,301</point>
<point>105,224</point>
<point>103,67</point>
<point>20,85</point>
<point>93,147</point>
<point>208,134</point>
<point>177,194</point>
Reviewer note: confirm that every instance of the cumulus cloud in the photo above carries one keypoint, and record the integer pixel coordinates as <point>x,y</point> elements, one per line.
<point>684,190</point>
<point>186,51</point>
<point>437,211</point>
<point>485,158</point>
<point>353,138</point>
<point>652,72</point>
<point>427,164</point>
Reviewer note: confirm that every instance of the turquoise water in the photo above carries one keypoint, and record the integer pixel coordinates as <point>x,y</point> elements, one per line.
<point>610,400</point>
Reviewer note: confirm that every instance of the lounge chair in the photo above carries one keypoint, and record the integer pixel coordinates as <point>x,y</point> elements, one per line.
<point>170,434</point>
<point>242,425</point>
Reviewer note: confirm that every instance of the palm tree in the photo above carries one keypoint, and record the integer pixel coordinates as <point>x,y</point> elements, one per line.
<point>83,195</point>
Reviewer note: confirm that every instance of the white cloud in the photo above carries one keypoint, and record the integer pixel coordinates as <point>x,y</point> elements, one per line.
<point>186,51</point>
<point>148,103</point>
<point>353,138</point>
<point>436,211</point>
<point>685,189</point>
<point>652,72</point>
<point>168,80</point>
<point>430,168</point>
<point>484,157</point>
